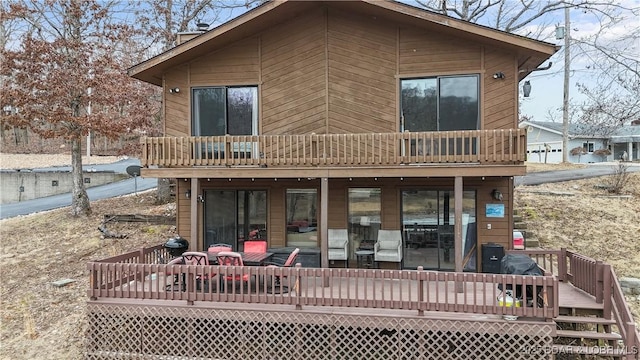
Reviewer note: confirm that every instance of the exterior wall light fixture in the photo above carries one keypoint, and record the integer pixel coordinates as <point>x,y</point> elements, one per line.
<point>174,90</point>
<point>187,194</point>
<point>496,194</point>
<point>499,75</point>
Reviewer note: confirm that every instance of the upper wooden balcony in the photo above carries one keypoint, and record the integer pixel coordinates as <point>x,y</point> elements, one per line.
<point>495,147</point>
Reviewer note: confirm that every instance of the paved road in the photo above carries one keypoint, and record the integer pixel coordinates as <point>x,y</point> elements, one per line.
<point>119,188</point>
<point>590,171</point>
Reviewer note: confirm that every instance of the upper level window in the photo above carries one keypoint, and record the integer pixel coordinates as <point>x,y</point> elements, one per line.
<point>440,103</point>
<point>225,110</point>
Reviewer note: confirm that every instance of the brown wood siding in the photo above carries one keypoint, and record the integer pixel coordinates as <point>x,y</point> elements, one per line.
<point>499,98</point>
<point>183,211</point>
<point>428,52</point>
<point>362,65</point>
<point>177,115</point>
<point>231,65</point>
<point>277,226</point>
<point>338,199</point>
<point>293,75</point>
<point>391,207</point>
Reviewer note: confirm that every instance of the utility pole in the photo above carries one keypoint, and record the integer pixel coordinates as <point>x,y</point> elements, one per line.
<point>565,99</point>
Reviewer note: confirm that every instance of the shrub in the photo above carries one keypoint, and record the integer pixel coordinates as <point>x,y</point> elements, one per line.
<point>619,179</point>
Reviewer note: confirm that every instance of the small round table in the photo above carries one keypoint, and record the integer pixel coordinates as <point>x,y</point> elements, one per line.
<point>364,258</point>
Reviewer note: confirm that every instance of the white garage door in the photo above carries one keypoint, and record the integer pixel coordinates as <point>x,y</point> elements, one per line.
<point>536,152</point>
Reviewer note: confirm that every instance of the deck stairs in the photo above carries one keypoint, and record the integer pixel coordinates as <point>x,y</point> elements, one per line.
<point>586,334</point>
<point>581,332</point>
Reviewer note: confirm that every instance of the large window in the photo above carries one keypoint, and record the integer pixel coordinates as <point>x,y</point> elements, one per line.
<point>302,223</point>
<point>225,110</point>
<point>365,218</point>
<point>440,103</point>
<point>218,111</point>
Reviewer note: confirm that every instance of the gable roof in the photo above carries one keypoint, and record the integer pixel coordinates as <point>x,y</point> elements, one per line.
<point>531,53</point>
<point>597,131</point>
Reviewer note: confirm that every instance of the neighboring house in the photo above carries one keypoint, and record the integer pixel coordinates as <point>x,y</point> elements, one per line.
<point>544,142</point>
<point>626,139</point>
<point>303,116</point>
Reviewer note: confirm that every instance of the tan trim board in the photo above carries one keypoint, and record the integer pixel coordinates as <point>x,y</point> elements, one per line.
<point>440,73</point>
<point>337,172</point>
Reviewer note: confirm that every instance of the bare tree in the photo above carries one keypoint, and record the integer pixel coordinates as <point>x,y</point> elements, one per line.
<point>69,60</point>
<point>163,19</point>
<point>613,100</point>
<point>525,17</point>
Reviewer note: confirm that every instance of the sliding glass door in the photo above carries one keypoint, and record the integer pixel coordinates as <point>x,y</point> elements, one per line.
<point>441,103</point>
<point>428,219</point>
<point>233,216</point>
<point>225,110</point>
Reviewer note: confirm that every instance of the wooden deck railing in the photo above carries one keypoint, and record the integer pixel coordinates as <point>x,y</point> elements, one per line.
<point>417,290</point>
<point>465,146</point>
<point>597,279</point>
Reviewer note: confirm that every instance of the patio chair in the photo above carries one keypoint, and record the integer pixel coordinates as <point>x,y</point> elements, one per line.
<point>199,258</point>
<point>389,246</point>
<point>230,258</point>
<point>216,248</point>
<point>258,246</point>
<point>277,285</point>
<point>338,241</point>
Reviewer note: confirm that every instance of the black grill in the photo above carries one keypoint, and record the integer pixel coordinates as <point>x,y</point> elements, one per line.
<point>176,246</point>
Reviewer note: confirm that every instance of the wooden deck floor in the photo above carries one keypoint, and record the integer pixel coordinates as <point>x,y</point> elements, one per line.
<point>572,297</point>
<point>443,292</point>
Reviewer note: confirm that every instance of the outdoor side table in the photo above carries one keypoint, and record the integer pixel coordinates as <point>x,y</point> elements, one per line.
<point>364,258</point>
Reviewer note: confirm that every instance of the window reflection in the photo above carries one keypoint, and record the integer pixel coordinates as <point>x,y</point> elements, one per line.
<point>428,218</point>
<point>364,218</point>
<point>302,224</point>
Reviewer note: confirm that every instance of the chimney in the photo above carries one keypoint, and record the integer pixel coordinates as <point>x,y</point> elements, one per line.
<point>188,35</point>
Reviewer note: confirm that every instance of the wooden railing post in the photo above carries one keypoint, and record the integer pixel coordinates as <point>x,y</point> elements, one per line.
<point>420,290</point>
<point>297,286</point>
<point>607,305</point>
<point>599,278</point>
<point>562,265</point>
<point>632,343</point>
<point>93,281</point>
<point>190,278</point>
<point>556,298</point>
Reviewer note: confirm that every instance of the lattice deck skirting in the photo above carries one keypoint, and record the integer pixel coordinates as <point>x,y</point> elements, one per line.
<point>123,331</point>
